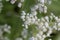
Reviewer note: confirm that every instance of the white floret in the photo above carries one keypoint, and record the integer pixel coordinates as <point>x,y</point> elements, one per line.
<point>42,1</point>
<point>46,24</point>
<point>47,18</point>
<point>49,39</point>
<point>13,1</point>
<point>45,9</point>
<point>32,38</point>
<point>19,5</point>
<point>23,13</point>
<point>59,24</point>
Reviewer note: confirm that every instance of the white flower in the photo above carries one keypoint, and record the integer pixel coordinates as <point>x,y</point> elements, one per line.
<point>44,29</point>
<point>43,19</point>
<point>41,8</point>
<point>26,26</point>
<point>45,1</point>
<point>42,1</point>
<point>34,13</point>
<point>54,27</point>
<point>49,2</point>
<point>36,17</point>
<point>33,20</point>
<point>58,29</point>
<point>44,36</point>
<point>28,14</point>
<point>38,35</point>
<point>52,14</point>
<point>23,13</point>
<point>7,30</point>
<point>9,27</point>
<point>38,20</point>
<point>32,38</point>
<point>58,24</point>
<point>46,24</point>
<point>47,18</point>
<point>49,32</point>
<point>51,17</point>
<point>40,32</point>
<point>22,17</point>
<point>31,16</point>
<point>48,35</point>
<point>19,5</point>
<point>13,1</point>
<point>49,39</point>
<point>56,18</point>
<point>33,9</point>
<point>36,7</point>
<point>22,24</point>
<point>45,9</point>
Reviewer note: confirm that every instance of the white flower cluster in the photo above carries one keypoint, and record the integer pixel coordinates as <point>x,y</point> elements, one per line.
<point>43,24</point>
<point>1,5</point>
<point>45,1</point>
<point>40,6</point>
<point>29,18</point>
<point>19,4</point>
<point>46,26</point>
<point>4,28</point>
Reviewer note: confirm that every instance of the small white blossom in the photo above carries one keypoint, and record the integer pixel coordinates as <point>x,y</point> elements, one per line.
<point>23,13</point>
<point>59,24</point>
<point>49,39</point>
<point>47,18</point>
<point>13,1</point>
<point>32,38</point>
<point>42,1</point>
<point>45,9</point>
<point>19,5</point>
